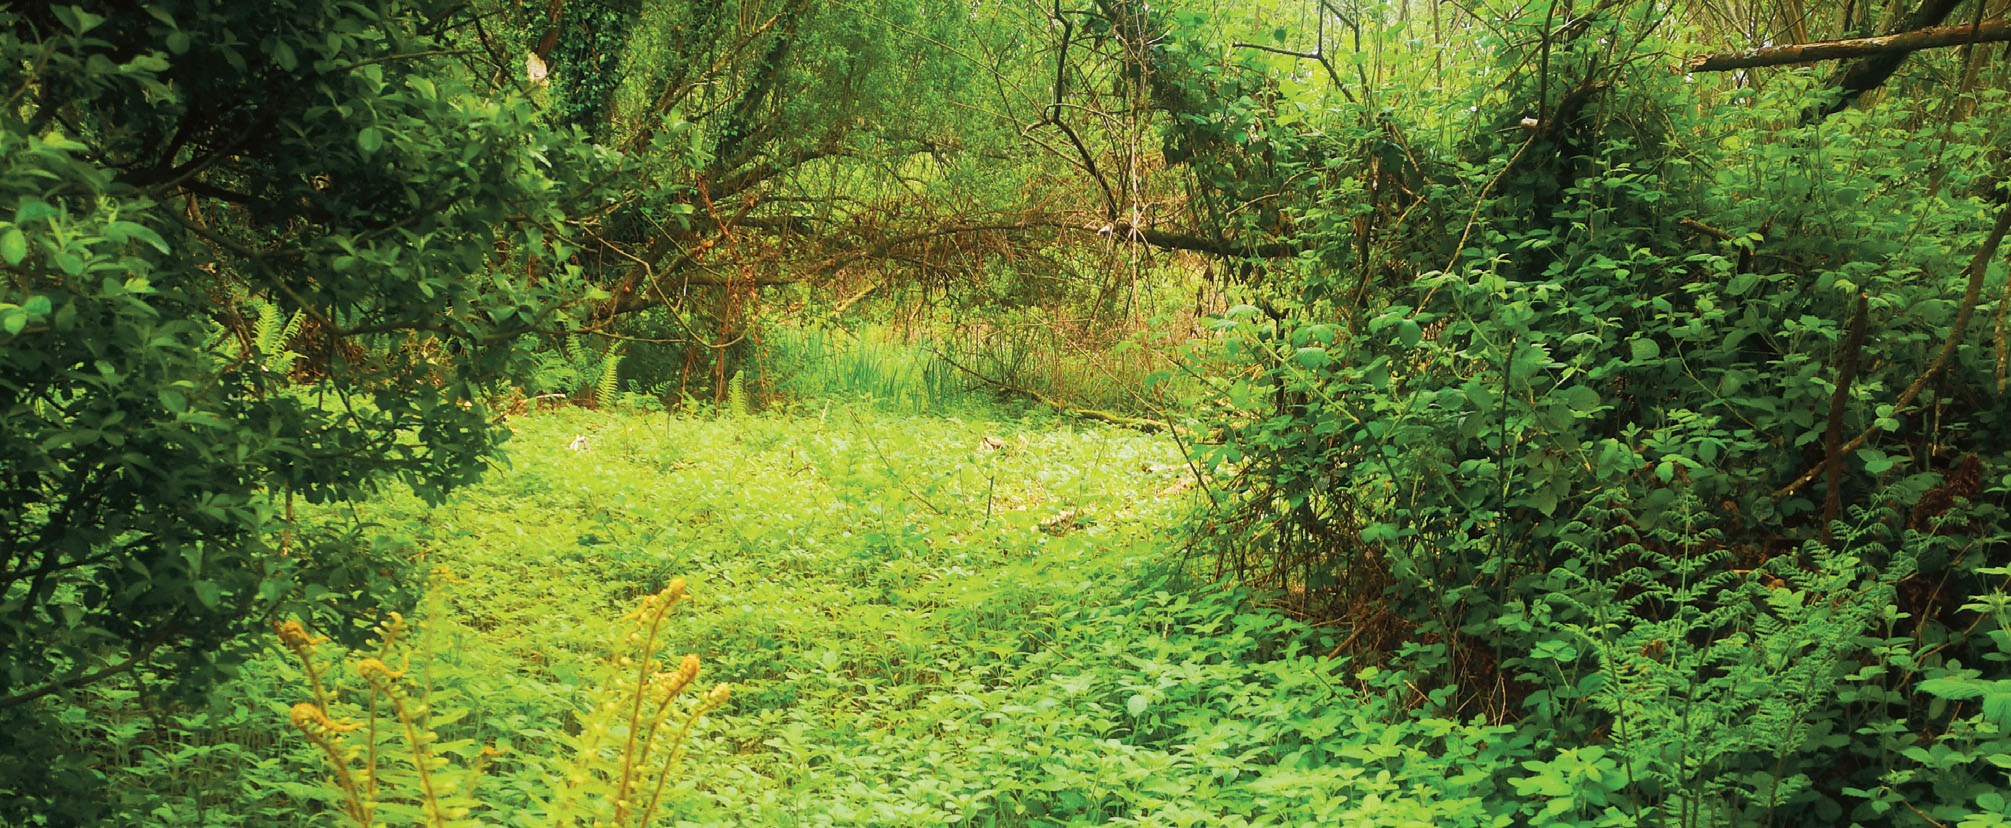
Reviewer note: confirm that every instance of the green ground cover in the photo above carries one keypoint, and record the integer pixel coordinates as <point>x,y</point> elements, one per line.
<point>926,629</point>
<point>926,621</point>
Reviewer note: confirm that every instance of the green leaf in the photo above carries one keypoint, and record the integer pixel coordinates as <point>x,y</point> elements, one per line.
<point>1581,399</point>
<point>124,231</point>
<point>1730,383</point>
<point>1997,704</point>
<point>369,139</point>
<point>1644,349</point>
<point>1479,396</point>
<point>1408,333</point>
<point>13,245</point>
<point>1875,461</point>
<point>208,593</point>
<point>1949,688</point>
<point>78,20</point>
<point>1136,705</point>
<point>1544,499</point>
<point>33,209</point>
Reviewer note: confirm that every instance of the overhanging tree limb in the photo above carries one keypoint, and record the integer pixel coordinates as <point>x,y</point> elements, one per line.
<point>1871,71</point>
<point>1168,240</point>
<point>671,264</point>
<point>80,679</point>
<point>1991,31</point>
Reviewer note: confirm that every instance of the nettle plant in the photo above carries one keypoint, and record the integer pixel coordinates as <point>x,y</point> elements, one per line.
<point>1967,767</point>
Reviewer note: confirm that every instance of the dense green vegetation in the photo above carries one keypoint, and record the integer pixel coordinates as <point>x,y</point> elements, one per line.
<point>1340,412</point>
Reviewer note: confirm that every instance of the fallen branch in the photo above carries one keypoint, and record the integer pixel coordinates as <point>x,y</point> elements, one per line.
<point>1708,230</point>
<point>1196,244</point>
<point>1140,423</point>
<point>847,303</point>
<point>1990,31</point>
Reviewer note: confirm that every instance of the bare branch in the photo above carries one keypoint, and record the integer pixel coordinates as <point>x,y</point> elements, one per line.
<point>1318,54</point>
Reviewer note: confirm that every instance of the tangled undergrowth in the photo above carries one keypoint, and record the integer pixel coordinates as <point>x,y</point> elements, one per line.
<point>927,621</point>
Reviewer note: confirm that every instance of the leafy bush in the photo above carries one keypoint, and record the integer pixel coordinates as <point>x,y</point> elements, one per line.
<point>163,164</point>
<point>1581,435</point>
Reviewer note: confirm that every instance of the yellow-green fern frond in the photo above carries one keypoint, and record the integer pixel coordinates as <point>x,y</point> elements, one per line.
<point>609,383</point>
<point>737,400</point>
<point>269,336</point>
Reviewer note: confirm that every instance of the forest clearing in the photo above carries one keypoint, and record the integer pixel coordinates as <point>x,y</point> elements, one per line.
<point>919,629</point>
<point>550,413</point>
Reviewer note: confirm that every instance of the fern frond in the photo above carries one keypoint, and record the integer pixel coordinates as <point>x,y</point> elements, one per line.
<point>736,396</point>
<point>658,389</point>
<point>292,328</point>
<point>609,382</point>
<point>266,335</point>
<point>265,344</point>
<point>280,358</point>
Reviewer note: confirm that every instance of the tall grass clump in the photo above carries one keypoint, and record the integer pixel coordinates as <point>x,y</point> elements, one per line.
<point>962,366</point>
<point>1074,363</point>
<point>820,363</point>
